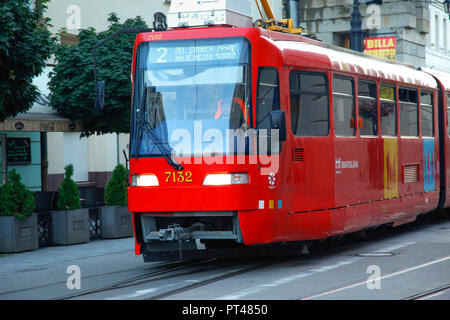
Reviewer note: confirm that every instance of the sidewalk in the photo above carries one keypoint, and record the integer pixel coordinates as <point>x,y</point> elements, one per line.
<point>55,254</point>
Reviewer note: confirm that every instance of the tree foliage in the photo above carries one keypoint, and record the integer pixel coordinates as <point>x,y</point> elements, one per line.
<point>68,193</point>
<point>116,189</point>
<point>72,80</point>
<point>15,199</point>
<point>25,46</point>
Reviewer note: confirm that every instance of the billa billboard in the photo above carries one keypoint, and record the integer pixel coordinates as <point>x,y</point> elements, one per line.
<point>381,46</point>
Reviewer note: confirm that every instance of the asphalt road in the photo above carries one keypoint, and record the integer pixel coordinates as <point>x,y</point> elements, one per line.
<point>409,262</point>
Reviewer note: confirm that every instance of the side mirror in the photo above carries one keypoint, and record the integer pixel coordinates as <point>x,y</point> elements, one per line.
<point>100,95</point>
<point>278,121</point>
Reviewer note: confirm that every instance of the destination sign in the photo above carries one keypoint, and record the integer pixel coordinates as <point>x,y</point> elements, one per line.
<point>188,51</point>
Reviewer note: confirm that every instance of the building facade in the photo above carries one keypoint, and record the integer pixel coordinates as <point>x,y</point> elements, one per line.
<point>438,40</point>
<point>408,21</point>
<point>421,28</point>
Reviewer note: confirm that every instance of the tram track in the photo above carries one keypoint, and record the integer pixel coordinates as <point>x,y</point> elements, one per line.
<point>361,282</point>
<point>155,275</point>
<point>5,293</point>
<point>163,274</point>
<point>135,281</point>
<point>317,248</point>
<point>430,293</point>
<point>213,279</point>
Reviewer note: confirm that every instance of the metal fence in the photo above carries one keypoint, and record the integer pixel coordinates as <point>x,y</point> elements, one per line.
<point>94,224</point>
<point>44,228</point>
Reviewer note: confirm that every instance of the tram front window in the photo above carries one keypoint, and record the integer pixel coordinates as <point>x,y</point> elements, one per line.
<point>189,94</point>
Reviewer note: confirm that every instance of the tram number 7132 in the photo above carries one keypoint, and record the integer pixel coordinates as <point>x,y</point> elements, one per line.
<point>179,177</point>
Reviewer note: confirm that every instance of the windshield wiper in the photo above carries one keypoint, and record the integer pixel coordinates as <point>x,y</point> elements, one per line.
<point>144,124</point>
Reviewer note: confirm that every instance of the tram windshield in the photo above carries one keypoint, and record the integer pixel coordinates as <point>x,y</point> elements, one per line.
<point>189,95</point>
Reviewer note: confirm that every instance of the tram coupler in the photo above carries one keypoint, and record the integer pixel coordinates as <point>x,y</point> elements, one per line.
<point>177,233</point>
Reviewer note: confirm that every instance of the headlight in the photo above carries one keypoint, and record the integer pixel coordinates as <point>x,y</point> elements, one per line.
<point>222,179</point>
<point>144,180</point>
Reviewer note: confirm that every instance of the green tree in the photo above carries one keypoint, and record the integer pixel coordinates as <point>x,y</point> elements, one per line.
<point>116,189</point>
<point>26,44</point>
<point>68,193</point>
<point>15,199</point>
<point>72,80</point>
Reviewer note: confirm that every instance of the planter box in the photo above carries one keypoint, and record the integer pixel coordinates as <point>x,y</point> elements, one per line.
<point>115,222</point>
<point>70,226</point>
<point>18,235</point>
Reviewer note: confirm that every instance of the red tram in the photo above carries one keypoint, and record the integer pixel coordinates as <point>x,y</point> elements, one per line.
<point>362,141</point>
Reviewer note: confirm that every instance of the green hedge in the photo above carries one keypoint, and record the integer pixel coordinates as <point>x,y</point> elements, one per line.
<point>68,193</point>
<point>116,189</point>
<point>15,199</point>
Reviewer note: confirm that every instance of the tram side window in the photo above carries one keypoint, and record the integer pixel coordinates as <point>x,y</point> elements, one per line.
<point>426,113</point>
<point>367,107</point>
<point>344,106</point>
<point>309,104</point>
<point>268,96</point>
<point>448,113</point>
<point>408,112</point>
<point>388,115</point>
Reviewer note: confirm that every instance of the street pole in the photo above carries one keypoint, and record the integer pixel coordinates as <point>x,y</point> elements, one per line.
<point>356,31</point>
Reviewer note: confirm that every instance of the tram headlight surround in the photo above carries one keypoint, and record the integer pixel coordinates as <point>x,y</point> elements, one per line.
<point>223,179</point>
<point>144,180</point>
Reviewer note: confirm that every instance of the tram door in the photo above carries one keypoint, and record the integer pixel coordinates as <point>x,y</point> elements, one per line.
<point>2,158</point>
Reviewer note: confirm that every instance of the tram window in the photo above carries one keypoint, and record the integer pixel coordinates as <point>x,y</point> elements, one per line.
<point>268,98</point>
<point>309,104</point>
<point>312,83</point>
<point>344,106</point>
<point>367,107</point>
<point>448,113</point>
<point>426,113</point>
<point>408,112</point>
<point>388,116</point>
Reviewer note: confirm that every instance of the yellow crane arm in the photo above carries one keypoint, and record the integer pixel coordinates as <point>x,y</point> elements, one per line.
<point>283,25</point>
<point>267,9</point>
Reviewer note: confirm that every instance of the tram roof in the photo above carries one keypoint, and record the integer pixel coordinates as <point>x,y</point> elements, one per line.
<point>341,59</point>
<point>444,77</point>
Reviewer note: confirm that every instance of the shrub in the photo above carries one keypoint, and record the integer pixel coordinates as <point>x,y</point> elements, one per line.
<point>15,199</point>
<point>68,193</point>
<point>116,189</point>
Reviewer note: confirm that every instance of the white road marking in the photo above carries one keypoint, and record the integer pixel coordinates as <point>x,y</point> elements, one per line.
<point>278,282</point>
<point>395,247</point>
<point>379,278</point>
<point>285,280</point>
<point>139,293</point>
<point>133,295</point>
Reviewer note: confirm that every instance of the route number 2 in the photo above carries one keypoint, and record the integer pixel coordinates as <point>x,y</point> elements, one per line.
<point>161,57</point>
